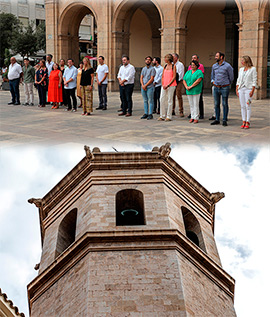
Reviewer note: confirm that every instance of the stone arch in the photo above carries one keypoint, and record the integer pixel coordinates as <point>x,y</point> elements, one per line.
<point>229,39</point>
<point>121,26</point>
<point>66,232</point>
<point>193,228</point>
<point>129,208</point>
<point>68,29</point>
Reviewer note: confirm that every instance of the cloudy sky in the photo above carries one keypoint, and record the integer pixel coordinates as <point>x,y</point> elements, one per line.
<point>242,217</point>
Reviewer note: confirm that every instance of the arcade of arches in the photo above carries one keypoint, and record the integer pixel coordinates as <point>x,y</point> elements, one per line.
<point>157,27</point>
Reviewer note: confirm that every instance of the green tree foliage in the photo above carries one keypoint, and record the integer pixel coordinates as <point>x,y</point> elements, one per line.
<point>26,42</point>
<point>9,27</point>
<point>41,36</point>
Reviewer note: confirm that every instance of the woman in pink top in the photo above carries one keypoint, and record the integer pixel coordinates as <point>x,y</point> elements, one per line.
<point>168,87</point>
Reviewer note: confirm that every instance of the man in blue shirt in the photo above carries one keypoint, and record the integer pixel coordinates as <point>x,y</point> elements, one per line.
<point>222,77</point>
<point>70,84</point>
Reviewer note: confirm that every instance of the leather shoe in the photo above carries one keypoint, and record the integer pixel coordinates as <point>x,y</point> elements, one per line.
<point>212,118</point>
<point>173,113</point>
<point>224,123</point>
<point>150,117</point>
<point>215,122</point>
<point>189,116</point>
<point>144,116</point>
<point>128,114</point>
<point>121,114</point>
<point>201,117</point>
<point>17,103</point>
<point>99,108</point>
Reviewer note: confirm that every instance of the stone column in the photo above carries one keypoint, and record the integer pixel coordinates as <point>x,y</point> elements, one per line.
<point>51,28</point>
<point>180,39</point>
<point>263,27</point>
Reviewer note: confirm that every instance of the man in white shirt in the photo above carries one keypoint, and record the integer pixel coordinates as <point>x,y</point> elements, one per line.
<point>49,63</point>
<point>14,77</point>
<point>126,77</point>
<point>157,84</point>
<point>180,70</point>
<point>102,81</point>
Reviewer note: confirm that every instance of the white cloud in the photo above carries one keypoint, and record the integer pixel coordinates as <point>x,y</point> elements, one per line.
<point>241,227</point>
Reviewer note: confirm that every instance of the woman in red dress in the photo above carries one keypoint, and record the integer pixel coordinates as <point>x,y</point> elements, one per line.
<point>55,94</point>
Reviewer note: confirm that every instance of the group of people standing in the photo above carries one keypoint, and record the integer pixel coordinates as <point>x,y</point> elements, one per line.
<point>160,87</point>
<point>57,84</point>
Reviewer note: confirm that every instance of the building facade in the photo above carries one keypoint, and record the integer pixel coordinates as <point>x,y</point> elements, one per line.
<point>7,308</point>
<point>129,233</point>
<point>157,27</point>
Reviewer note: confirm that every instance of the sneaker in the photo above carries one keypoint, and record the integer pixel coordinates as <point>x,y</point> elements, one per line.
<point>74,110</point>
<point>224,123</point>
<point>168,119</point>
<point>150,117</point>
<point>31,104</point>
<point>67,109</point>
<point>215,122</point>
<point>26,104</point>
<point>144,116</point>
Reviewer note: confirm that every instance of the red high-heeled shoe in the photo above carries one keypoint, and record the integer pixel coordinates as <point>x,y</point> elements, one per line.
<point>243,125</point>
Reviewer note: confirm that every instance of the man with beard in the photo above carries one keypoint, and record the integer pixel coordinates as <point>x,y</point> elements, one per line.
<point>222,77</point>
<point>126,77</point>
<point>147,88</point>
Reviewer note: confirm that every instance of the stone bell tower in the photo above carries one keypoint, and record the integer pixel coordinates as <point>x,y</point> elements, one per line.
<point>129,234</point>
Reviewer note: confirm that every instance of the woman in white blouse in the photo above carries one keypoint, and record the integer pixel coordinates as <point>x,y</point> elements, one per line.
<point>245,87</point>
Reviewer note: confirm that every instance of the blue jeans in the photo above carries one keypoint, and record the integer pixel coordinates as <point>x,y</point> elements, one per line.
<point>224,92</point>
<point>148,100</point>
<point>14,90</point>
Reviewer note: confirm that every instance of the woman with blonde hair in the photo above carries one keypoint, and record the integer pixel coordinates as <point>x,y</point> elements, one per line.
<point>168,87</point>
<point>86,85</point>
<point>245,87</point>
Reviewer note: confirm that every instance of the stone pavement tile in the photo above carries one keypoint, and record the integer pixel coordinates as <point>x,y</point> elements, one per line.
<point>46,126</point>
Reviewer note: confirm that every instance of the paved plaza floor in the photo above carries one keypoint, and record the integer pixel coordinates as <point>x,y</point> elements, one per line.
<point>21,125</point>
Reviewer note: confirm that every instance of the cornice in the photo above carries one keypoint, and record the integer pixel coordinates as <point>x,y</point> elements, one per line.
<point>168,239</point>
<point>96,160</point>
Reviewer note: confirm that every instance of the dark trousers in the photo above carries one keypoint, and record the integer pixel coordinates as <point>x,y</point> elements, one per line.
<point>102,94</point>
<point>14,89</point>
<point>126,97</point>
<point>64,95</point>
<point>71,93</point>
<point>42,94</point>
<point>157,99</point>
<point>201,109</point>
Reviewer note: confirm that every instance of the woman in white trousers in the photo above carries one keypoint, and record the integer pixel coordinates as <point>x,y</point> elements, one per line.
<point>168,87</point>
<point>245,87</point>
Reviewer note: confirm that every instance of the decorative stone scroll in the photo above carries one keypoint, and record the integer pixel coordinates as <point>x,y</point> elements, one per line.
<point>89,155</point>
<point>216,197</point>
<point>165,150</point>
